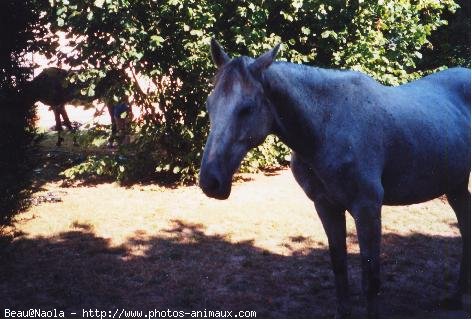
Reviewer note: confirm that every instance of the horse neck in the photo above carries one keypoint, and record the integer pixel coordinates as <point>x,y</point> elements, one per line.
<point>299,101</point>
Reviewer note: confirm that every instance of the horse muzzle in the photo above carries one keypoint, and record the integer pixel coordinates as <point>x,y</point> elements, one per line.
<point>214,185</point>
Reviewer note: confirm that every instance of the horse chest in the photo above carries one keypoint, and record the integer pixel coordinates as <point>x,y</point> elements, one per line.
<point>332,180</point>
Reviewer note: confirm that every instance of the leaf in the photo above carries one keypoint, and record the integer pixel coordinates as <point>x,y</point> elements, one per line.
<point>157,40</point>
<point>99,3</point>
<point>328,33</point>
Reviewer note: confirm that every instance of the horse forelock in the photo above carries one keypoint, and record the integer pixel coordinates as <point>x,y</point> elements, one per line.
<point>234,71</point>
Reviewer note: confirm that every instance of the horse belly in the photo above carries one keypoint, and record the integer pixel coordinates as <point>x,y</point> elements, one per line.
<point>424,170</point>
<point>410,191</point>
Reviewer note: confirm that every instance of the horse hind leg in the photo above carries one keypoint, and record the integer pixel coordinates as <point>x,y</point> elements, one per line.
<point>460,203</point>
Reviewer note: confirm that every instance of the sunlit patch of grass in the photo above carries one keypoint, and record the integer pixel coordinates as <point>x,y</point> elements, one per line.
<point>281,220</point>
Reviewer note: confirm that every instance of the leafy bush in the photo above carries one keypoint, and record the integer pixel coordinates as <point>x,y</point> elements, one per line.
<point>166,43</point>
<point>104,165</point>
<point>272,153</point>
<point>16,121</point>
<point>450,44</point>
<point>93,136</point>
<point>16,155</point>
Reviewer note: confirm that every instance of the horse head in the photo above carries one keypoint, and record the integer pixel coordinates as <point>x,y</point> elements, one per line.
<point>240,117</point>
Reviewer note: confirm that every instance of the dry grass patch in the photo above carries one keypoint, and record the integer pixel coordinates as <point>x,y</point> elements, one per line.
<point>147,247</point>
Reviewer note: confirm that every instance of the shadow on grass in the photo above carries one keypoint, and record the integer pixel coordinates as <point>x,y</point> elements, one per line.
<point>186,269</point>
<point>52,160</point>
<point>274,171</point>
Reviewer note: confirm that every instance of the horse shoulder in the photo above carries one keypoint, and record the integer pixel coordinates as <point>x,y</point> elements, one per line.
<point>338,175</point>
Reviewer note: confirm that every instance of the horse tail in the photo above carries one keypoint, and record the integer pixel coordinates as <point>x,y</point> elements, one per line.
<point>466,88</point>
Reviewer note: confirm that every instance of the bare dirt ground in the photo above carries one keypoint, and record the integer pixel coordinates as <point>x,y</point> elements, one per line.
<point>147,247</point>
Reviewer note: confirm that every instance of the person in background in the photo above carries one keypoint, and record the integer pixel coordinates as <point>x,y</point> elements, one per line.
<point>122,117</point>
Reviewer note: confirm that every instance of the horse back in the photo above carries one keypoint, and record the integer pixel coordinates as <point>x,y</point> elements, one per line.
<point>453,84</point>
<point>50,86</point>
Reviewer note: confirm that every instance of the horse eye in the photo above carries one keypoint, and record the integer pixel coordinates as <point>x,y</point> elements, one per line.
<point>244,111</point>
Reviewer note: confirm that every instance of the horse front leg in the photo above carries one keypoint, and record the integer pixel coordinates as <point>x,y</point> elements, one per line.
<point>334,224</point>
<point>333,219</point>
<point>57,118</point>
<point>367,216</point>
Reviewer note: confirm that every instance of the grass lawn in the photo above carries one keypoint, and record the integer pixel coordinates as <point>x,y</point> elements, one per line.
<point>146,247</point>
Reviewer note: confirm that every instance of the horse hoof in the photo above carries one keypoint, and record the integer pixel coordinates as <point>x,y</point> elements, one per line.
<point>343,313</point>
<point>451,303</point>
<point>373,311</point>
<point>340,315</point>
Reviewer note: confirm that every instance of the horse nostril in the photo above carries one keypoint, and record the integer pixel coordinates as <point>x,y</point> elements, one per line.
<point>213,183</point>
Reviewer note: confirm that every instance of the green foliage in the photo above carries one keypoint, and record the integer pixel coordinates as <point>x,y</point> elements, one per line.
<point>103,166</point>
<point>16,153</point>
<point>20,23</point>
<point>93,136</point>
<point>389,37</point>
<point>166,43</point>
<point>100,162</point>
<point>450,44</point>
<point>272,153</point>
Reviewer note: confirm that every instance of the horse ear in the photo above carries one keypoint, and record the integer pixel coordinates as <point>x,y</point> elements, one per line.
<point>218,55</point>
<point>264,60</point>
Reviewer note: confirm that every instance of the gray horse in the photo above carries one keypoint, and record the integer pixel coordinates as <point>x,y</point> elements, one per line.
<point>356,146</point>
<point>52,88</point>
